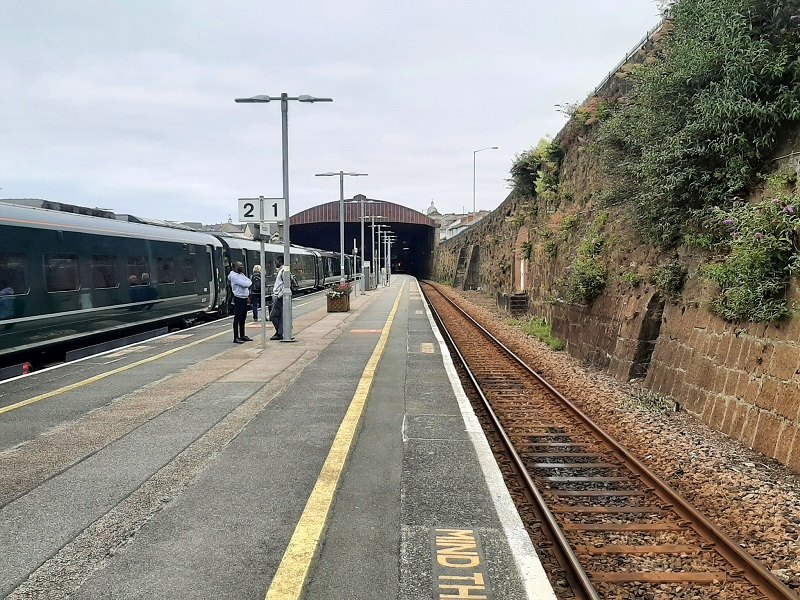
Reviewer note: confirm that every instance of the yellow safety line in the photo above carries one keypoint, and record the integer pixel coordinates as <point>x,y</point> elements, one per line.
<point>74,386</point>
<point>290,578</point>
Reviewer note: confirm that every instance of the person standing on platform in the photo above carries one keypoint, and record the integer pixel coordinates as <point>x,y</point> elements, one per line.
<point>255,291</point>
<point>240,286</point>
<point>276,314</point>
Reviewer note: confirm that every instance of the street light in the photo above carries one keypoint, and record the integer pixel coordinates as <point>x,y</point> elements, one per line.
<point>341,175</point>
<point>380,228</point>
<point>287,276</point>
<point>362,199</point>
<point>390,239</point>
<point>474,154</point>
<point>372,244</point>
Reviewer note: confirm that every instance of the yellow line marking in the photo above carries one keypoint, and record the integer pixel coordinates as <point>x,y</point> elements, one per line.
<point>290,579</point>
<point>74,386</point>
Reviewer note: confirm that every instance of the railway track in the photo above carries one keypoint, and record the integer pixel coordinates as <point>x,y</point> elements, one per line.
<point>616,529</point>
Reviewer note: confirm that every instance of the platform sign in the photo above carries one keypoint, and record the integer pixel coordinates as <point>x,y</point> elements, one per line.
<point>261,210</point>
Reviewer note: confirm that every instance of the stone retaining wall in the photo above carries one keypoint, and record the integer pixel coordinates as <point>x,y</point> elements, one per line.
<point>741,380</point>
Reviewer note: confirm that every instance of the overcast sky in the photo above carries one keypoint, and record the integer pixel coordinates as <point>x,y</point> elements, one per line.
<point>128,104</point>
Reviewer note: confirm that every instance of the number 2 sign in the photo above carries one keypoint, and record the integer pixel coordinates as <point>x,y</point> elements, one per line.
<point>261,210</point>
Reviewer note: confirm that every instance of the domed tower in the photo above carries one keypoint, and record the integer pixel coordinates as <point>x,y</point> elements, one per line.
<point>433,213</point>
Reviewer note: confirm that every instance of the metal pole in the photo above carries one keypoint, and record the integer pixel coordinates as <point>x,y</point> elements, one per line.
<point>287,276</point>
<point>341,226</point>
<point>378,279</point>
<point>372,246</point>
<point>474,154</point>
<point>263,287</point>
<point>387,258</point>
<point>363,280</point>
<point>389,262</point>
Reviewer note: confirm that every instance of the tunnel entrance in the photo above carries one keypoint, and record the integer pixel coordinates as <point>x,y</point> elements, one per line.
<point>411,253</point>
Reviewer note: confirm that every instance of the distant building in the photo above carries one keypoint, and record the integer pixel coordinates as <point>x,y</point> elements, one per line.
<point>451,224</point>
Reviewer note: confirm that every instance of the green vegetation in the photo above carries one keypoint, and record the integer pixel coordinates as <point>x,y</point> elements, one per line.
<point>518,219</point>
<point>704,112</point>
<point>762,252</point>
<point>669,278</point>
<point>631,278</point>
<point>568,222</point>
<point>526,250</point>
<point>534,173</point>
<point>539,329</point>
<point>586,276</point>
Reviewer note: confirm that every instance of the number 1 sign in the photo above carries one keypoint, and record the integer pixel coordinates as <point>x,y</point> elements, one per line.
<point>261,210</point>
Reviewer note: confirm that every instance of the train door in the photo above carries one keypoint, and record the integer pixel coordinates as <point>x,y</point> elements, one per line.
<point>213,276</point>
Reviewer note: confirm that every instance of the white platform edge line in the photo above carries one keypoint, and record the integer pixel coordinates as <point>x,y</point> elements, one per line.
<point>534,579</point>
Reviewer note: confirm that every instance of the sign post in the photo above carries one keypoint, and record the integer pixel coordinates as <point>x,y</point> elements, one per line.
<point>262,210</point>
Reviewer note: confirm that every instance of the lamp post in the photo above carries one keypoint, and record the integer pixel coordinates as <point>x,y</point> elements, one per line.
<point>380,229</point>
<point>372,244</point>
<point>474,154</point>
<point>341,175</point>
<point>287,276</point>
<point>389,240</point>
<point>362,199</point>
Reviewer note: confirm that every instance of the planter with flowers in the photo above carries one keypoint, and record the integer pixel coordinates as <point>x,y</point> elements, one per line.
<point>339,297</point>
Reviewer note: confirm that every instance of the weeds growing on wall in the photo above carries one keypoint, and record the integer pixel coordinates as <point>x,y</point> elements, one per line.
<point>534,173</point>
<point>761,248</point>
<point>704,113</point>
<point>586,277</point>
<point>668,278</point>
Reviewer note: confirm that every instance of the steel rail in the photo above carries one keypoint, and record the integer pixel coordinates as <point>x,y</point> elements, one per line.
<point>755,572</point>
<point>578,578</point>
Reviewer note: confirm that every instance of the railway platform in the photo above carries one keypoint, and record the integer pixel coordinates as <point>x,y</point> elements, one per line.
<point>344,465</point>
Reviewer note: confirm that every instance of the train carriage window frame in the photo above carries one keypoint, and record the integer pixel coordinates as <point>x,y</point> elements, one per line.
<point>188,274</point>
<point>14,274</point>
<point>104,271</point>
<point>60,269</point>
<point>138,266</point>
<point>165,270</point>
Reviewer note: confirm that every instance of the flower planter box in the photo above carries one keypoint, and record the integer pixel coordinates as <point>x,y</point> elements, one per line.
<point>339,303</point>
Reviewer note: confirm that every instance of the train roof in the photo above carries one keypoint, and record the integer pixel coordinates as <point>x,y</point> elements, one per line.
<point>43,218</point>
<point>242,243</point>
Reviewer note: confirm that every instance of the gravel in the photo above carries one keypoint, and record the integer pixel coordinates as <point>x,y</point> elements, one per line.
<point>753,498</point>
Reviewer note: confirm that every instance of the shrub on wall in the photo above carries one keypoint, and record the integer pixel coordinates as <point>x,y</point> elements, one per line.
<point>534,173</point>
<point>761,248</point>
<point>668,278</point>
<point>586,277</point>
<point>704,114</point>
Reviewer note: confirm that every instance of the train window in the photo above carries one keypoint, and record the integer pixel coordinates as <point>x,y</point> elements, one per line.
<point>138,270</point>
<point>104,271</point>
<point>61,272</point>
<point>165,270</point>
<point>187,271</point>
<point>12,274</point>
